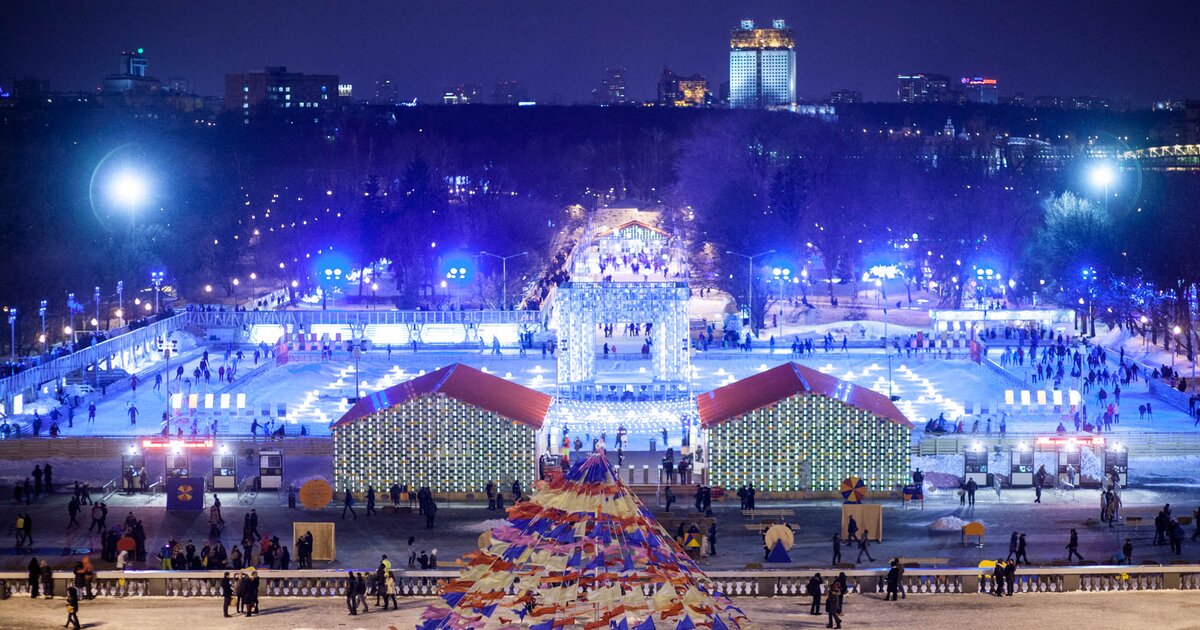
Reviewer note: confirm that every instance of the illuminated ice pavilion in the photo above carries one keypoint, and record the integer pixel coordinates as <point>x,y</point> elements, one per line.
<point>454,430</point>
<point>794,429</point>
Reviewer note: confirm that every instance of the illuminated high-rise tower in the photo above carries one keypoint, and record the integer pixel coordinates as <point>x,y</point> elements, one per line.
<point>762,65</point>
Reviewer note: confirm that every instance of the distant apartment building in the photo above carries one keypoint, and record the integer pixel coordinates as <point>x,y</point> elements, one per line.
<point>509,93</point>
<point>462,94</point>
<point>762,65</point>
<point>613,89</point>
<point>845,97</point>
<point>923,87</point>
<point>679,91</point>
<point>277,90</point>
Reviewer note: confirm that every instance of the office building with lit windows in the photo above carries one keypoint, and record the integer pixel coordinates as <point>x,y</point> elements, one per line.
<point>276,89</point>
<point>980,90</point>
<point>762,65</point>
<point>921,87</point>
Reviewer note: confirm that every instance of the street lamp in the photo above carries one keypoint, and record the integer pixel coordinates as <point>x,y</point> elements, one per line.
<point>782,274</point>
<point>42,314</point>
<point>750,281</point>
<point>503,275</point>
<point>12,329</point>
<point>1102,176</point>
<point>96,299</point>
<point>71,307</point>
<point>130,189</point>
<point>121,301</point>
<point>330,276</point>
<point>156,277</point>
<point>1144,320</point>
<point>1174,337</point>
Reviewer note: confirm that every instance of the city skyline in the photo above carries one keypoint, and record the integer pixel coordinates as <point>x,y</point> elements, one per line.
<point>1068,49</point>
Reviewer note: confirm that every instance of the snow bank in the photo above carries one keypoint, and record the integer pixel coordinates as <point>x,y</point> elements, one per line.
<point>947,524</point>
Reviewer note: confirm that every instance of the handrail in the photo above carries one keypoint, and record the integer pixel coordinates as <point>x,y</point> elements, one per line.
<point>736,583</point>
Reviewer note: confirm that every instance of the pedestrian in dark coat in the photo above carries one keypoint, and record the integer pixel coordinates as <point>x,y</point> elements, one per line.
<point>1010,576</point>
<point>352,594</point>
<point>226,593</point>
<point>893,582</point>
<point>1073,546</point>
<point>833,606</point>
<point>1021,556</point>
<point>998,578</point>
<point>814,590</point>
<point>1012,546</point>
<point>837,550</point>
<point>72,607</point>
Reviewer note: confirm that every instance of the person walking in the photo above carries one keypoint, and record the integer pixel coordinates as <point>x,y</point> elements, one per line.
<point>837,550</point>
<point>852,530</point>
<point>73,511</point>
<point>47,579</point>
<point>370,500</point>
<point>1021,557</point>
<point>1073,546</point>
<point>348,504</point>
<point>862,548</point>
<point>669,497</point>
<point>72,606</point>
<point>998,578</point>
<point>813,589</point>
<point>389,590</point>
<point>352,594</point>
<point>1012,546</point>
<point>1010,576</point>
<point>833,605</point>
<point>34,577</point>
<point>226,593</point>
<point>893,581</point>
<point>1127,551</point>
<point>360,592</point>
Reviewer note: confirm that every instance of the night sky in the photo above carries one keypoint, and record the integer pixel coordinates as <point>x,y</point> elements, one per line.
<point>1138,49</point>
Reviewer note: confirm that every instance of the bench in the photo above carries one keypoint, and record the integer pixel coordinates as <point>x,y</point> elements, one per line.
<point>1134,521</point>
<point>924,561</point>
<point>778,513</point>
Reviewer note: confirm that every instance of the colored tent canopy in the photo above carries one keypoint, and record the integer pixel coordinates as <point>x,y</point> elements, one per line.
<point>582,553</point>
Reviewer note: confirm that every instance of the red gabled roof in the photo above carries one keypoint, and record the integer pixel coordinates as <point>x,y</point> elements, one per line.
<point>785,381</point>
<point>465,384</point>
<point>632,223</point>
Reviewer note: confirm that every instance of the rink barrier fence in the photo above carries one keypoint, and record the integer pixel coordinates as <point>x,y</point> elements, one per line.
<point>745,583</point>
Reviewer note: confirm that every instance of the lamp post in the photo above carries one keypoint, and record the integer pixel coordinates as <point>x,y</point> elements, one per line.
<point>782,274</point>
<point>1175,348</point>
<point>156,277</point>
<point>1144,320</point>
<point>503,275</point>
<point>71,306</point>
<point>330,276</point>
<point>121,301</point>
<point>42,314</point>
<point>129,188</point>
<point>96,299</point>
<point>12,331</point>
<point>1102,176</point>
<point>750,281</point>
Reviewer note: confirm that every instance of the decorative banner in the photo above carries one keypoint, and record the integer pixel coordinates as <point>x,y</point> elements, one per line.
<point>854,490</point>
<point>185,493</point>
<point>316,494</point>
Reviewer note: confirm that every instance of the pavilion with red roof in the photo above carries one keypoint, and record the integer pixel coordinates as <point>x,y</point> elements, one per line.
<point>454,430</point>
<point>796,429</point>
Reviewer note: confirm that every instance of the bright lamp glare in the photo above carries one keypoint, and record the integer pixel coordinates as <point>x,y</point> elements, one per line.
<point>1102,175</point>
<point>129,188</point>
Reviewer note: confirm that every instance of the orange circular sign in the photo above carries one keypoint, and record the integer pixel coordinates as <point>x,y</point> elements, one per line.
<point>316,494</point>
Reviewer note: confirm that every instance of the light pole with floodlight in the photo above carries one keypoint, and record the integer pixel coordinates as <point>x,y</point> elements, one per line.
<point>71,307</point>
<point>1144,320</point>
<point>130,189</point>
<point>782,274</point>
<point>1174,348</point>
<point>121,301</point>
<point>157,278</point>
<point>750,281</point>
<point>503,275</point>
<point>1102,176</point>
<point>42,314</point>
<point>12,330</point>
<point>96,298</point>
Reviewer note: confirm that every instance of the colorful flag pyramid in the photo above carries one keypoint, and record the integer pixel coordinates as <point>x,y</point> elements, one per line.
<point>582,553</point>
